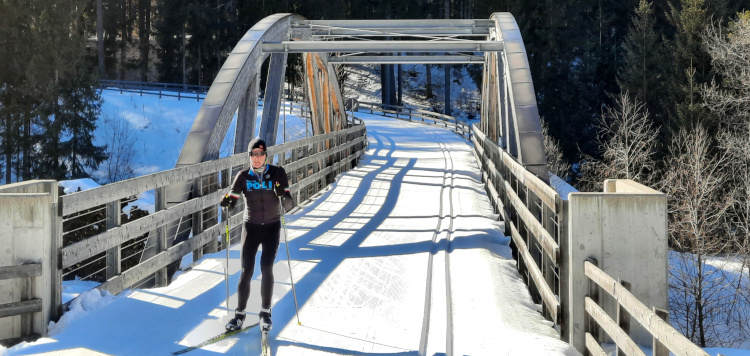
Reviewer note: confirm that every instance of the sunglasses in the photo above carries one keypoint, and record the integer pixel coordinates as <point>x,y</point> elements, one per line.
<point>257,154</point>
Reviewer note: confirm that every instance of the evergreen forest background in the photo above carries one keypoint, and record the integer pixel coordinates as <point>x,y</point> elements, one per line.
<point>654,91</point>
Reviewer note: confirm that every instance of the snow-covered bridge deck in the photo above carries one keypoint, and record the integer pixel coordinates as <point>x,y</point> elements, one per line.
<point>402,256</point>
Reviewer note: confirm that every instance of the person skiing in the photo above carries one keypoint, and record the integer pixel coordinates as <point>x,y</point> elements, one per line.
<point>261,186</point>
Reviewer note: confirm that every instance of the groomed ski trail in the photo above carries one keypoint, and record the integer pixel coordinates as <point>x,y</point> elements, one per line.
<point>401,256</point>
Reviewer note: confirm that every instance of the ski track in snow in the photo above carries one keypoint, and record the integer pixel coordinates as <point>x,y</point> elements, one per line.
<point>360,259</point>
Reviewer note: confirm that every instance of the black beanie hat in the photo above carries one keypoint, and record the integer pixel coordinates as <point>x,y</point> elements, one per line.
<point>256,143</point>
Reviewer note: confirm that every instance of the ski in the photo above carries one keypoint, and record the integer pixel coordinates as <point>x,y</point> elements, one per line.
<point>265,347</point>
<point>216,338</point>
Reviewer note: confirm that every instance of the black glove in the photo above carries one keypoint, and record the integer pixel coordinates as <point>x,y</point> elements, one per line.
<point>278,189</point>
<point>228,201</point>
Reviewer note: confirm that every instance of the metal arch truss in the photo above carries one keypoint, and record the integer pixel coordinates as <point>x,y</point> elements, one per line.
<point>509,111</point>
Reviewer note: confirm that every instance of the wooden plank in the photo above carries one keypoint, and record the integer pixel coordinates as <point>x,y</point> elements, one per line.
<point>21,271</point>
<point>19,308</point>
<point>665,333</point>
<point>301,184</point>
<point>548,296</point>
<point>622,317</point>
<point>594,348</point>
<point>96,244</point>
<point>126,279</point>
<point>623,341</point>
<point>658,348</point>
<point>86,199</point>
<point>322,155</point>
<point>547,194</point>
<point>491,169</point>
<point>540,233</point>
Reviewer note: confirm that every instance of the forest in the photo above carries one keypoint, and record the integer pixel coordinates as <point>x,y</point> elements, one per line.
<point>654,91</point>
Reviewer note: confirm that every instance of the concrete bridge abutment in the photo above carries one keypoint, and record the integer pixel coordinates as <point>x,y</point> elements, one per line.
<point>29,278</point>
<point>624,229</point>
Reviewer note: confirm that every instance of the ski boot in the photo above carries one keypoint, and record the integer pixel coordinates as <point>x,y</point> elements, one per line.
<point>265,319</point>
<point>236,323</point>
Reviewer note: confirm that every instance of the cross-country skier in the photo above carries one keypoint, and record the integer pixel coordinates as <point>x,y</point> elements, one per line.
<point>261,186</point>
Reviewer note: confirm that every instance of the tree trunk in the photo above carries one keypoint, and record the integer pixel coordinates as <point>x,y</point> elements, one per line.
<point>144,26</point>
<point>447,67</point>
<point>400,86</point>
<point>182,52</point>
<point>385,91</point>
<point>699,305</point>
<point>392,85</point>
<point>100,38</point>
<point>200,65</point>
<point>27,155</point>
<point>123,48</point>
<point>8,152</point>
<point>428,86</point>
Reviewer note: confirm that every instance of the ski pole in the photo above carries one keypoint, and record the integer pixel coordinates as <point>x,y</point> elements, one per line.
<point>289,260</point>
<point>226,270</point>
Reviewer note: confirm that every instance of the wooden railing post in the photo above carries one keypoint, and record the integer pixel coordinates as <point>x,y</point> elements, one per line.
<point>564,270</point>
<point>197,218</point>
<point>114,254</point>
<point>160,201</point>
<point>590,325</point>
<point>658,347</point>
<point>623,318</point>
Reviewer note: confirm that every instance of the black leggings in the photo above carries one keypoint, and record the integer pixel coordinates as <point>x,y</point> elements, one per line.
<point>254,235</point>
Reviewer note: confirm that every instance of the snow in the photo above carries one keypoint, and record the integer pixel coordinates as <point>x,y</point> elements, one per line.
<point>401,254</point>
<point>561,187</point>
<point>370,258</point>
<point>74,288</point>
<point>75,185</point>
<point>85,304</point>
<point>160,126</point>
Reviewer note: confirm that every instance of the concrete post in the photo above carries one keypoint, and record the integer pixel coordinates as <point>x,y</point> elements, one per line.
<point>625,230</point>
<point>29,234</point>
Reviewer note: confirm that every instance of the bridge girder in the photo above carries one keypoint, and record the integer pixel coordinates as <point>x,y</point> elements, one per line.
<point>509,110</point>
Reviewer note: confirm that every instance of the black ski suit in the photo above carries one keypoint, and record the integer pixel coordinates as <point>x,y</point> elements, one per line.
<point>261,194</point>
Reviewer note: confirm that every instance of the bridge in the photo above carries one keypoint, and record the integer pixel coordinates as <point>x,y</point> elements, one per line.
<point>399,244</point>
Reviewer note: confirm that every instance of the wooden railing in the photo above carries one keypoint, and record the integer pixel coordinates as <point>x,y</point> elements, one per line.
<point>178,91</point>
<point>412,114</point>
<point>534,219</point>
<point>537,220</point>
<point>27,304</point>
<point>655,321</point>
<point>311,164</point>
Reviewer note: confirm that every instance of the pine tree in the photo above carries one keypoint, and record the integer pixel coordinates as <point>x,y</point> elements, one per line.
<point>691,64</point>
<point>170,36</point>
<point>49,94</point>
<point>641,55</point>
<point>144,36</point>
